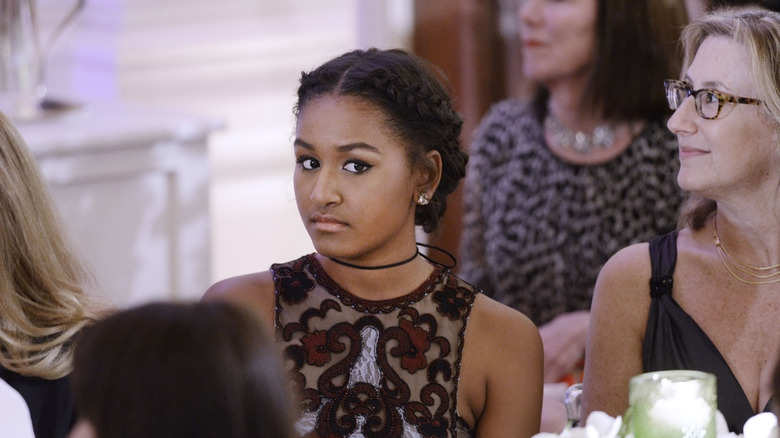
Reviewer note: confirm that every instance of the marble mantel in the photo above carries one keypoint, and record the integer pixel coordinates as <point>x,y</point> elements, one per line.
<point>132,187</point>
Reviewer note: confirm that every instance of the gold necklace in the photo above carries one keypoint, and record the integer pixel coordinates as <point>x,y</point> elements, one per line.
<point>732,263</point>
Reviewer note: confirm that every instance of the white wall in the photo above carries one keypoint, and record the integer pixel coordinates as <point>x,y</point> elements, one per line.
<point>239,61</point>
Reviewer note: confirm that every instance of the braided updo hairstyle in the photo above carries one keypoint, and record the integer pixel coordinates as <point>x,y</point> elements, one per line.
<point>418,108</point>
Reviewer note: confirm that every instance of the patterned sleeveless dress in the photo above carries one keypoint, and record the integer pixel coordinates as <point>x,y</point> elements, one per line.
<point>367,368</point>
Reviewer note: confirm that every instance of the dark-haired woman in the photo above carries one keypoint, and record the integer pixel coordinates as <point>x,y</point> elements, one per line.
<point>180,370</point>
<point>559,183</point>
<point>380,340</point>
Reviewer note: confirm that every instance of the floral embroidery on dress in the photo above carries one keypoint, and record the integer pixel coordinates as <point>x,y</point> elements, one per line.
<point>295,284</point>
<point>317,353</point>
<point>413,353</point>
<point>452,300</point>
<point>373,368</point>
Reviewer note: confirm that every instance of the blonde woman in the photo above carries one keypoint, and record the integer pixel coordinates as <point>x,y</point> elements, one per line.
<point>707,296</point>
<point>43,303</point>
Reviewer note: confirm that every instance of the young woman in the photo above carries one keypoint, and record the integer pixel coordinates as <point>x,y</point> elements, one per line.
<point>43,302</point>
<point>706,297</point>
<point>380,340</point>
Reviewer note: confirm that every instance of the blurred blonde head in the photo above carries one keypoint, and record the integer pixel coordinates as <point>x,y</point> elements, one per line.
<point>43,303</point>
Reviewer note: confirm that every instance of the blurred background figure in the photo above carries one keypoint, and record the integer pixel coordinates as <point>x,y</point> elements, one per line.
<point>698,7</point>
<point>179,370</point>
<point>560,182</point>
<point>43,303</point>
<point>706,297</point>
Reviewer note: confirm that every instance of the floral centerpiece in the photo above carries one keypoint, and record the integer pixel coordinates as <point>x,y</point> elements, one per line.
<point>601,425</point>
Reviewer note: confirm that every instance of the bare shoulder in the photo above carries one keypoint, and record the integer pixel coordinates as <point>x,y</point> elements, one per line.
<point>502,371</point>
<point>630,263</point>
<point>501,334</point>
<point>491,319</point>
<point>624,281</point>
<point>622,289</point>
<point>254,292</point>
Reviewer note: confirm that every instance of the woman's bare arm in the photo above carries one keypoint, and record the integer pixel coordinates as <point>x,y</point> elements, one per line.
<point>503,363</point>
<point>618,319</point>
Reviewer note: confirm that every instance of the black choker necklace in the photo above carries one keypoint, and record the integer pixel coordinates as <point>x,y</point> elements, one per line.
<point>403,262</point>
<point>391,265</point>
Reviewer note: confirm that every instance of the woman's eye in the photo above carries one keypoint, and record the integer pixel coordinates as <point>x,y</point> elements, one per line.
<point>308,163</point>
<point>356,166</point>
<point>710,98</point>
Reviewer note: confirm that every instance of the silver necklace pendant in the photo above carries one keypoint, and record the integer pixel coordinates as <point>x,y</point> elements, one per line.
<point>601,138</point>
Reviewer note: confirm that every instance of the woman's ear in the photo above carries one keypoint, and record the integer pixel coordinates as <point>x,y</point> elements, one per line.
<point>430,174</point>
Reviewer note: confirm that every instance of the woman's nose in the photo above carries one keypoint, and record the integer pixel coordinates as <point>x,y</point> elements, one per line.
<point>527,12</point>
<point>325,189</point>
<point>684,117</point>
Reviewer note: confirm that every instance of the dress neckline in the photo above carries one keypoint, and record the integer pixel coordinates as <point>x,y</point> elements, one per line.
<point>670,240</point>
<point>720,357</point>
<point>368,305</point>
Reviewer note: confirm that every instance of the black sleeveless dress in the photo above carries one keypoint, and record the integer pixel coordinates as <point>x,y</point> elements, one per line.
<point>673,340</point>
<point>50,403</point>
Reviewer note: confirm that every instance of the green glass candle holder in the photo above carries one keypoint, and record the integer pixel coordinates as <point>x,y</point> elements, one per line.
<point>672,404</point>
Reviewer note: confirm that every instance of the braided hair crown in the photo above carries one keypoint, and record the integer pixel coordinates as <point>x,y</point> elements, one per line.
<point>418,107</point>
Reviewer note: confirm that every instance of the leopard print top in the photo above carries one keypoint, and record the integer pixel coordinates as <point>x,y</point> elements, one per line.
<point>366,368</point>
<point>537,229</point>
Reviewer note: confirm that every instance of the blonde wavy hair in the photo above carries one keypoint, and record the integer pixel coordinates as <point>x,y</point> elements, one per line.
<point>759,31</point>
<point>43,301</point>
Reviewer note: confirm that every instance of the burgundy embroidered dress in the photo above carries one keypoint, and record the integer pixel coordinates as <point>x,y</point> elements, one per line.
<point>373,368</point>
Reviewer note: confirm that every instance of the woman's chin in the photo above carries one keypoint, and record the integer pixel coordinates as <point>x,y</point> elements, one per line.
<point>688,182</point>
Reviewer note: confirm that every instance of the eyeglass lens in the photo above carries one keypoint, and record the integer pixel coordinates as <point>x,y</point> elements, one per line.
<point>707,102</point>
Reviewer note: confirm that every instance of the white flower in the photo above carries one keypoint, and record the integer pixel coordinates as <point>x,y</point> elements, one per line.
<point>598,425</point>
<point>606,426</point>
<point>601,425</point>
<point>763,425</point>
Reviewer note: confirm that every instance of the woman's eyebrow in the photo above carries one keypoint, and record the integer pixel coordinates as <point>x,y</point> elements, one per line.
<point>343,148</point>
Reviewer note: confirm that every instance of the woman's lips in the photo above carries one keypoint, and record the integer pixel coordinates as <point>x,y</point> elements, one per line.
<point>532,43</point>
<point>327,223</point>
<point>687,152</point>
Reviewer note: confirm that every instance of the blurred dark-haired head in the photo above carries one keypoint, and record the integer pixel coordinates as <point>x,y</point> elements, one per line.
<point>180,370</point>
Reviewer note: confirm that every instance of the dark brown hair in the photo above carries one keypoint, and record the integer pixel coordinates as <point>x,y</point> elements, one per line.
<point>418,107</point>
<point>171,370</point>
<point>772,5</point>
<point>636,50</point>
